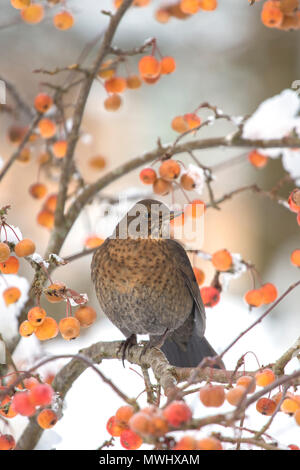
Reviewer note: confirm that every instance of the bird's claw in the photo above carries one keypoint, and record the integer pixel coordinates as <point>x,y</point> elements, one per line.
<point>130,341</point>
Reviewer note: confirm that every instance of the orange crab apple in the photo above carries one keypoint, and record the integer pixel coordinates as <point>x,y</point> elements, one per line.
<point>222,260</point>
<point>33,14</point>
<point>295,258</point>
<point>210,296</point>
<point>22,404</point>
<point>47,128</point>
<point>271,14</point>
<point>43,102</point>
<point>59,148</point>
<point>247,381</point>
<point>266,406</point>
<point>269,292</point>
<point>179,124</point>
<point>177,413</point>
<point>169,169</point>
<point>63,20</point>
<point>45,218</point>
<point>265,377</point>
<point>50,203</point>
<point>254,297</point>
<point>7,442</point>
<point>149,67</point>
<point>168,65</point>
<point>86,316</point>
<point>24,248</point>
<point>47,330</point>
<point>290,405</point>
<point>11,295</point>
<point>148,176</point>
<point>69,328</point>
<point>47,419</point>
<point>26,329</point>
<point>130,440</point>
<point>38,190</point>
<point>55,292</point>
<point>124,413</point>
<point>235,394</point>
<point>41,395</point>
<point>10,266</point>
<point>162,187</point>
<point>212,395</point>
<point>113,102</point>
<point>115,85</point>
<point>36,316</point>
<point>115,427</point>
<point>140,423</point>
<point>257,159</point>
<point>192,120</point>
<point>187,182</point>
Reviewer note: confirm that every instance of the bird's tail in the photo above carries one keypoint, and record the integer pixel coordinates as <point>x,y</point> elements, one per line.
<point>189,355</point>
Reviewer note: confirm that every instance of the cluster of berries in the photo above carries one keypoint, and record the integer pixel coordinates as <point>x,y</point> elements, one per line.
<point>33,13</point>
<point>150,71</point>
<point>29,397</point>
<point>281,14</point>
<point>152,423</point>
<point>9,264</point>
<point>45,327</point>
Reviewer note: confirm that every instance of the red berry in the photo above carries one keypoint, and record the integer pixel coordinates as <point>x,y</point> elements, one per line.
<point>7,442</point>
<point>210,296</point>
<point>130,440</point>
<point>22,404</point>
<point>41,395</point>
<point>177,413</point>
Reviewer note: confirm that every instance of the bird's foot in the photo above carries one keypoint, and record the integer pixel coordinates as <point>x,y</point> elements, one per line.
<point>130,341</point>
<point>154,342</point>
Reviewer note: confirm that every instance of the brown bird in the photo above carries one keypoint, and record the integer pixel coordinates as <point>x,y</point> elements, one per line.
<point>145,284</point>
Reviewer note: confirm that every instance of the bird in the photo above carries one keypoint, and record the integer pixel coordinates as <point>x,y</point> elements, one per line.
<point>145,285</point>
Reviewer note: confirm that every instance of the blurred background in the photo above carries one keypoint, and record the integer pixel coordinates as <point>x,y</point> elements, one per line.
<point>226,57</point>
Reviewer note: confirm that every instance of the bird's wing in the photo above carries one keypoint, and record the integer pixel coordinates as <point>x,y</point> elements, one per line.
<point>183,263</point>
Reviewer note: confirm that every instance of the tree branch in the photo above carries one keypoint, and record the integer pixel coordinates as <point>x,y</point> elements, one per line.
<point>57,235</point>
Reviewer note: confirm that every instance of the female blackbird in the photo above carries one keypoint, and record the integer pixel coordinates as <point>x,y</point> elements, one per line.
<point>145,284</point>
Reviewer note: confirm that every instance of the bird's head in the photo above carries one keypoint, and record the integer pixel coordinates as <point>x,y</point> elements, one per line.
<point>148,218</point>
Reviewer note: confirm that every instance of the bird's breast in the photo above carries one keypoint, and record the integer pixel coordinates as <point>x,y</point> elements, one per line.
<point>138,284</point>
